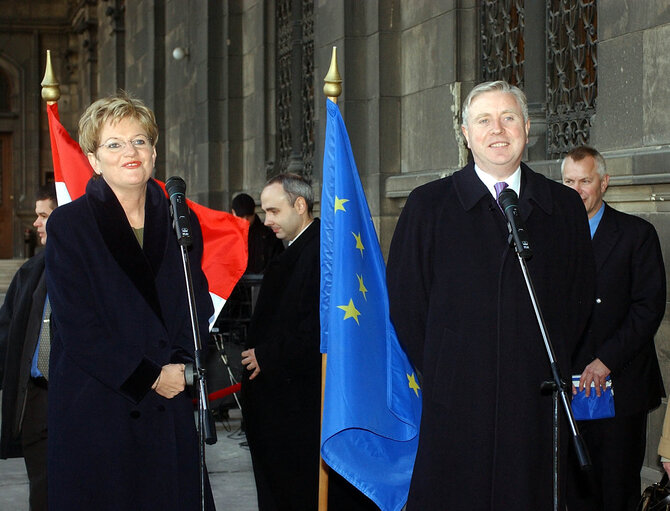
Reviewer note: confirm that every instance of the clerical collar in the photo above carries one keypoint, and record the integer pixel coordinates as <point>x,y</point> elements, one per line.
<point>513,181</point>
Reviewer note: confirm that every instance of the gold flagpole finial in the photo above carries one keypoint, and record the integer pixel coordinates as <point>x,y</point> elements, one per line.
<point>333,87</point>
<point>50,86</point>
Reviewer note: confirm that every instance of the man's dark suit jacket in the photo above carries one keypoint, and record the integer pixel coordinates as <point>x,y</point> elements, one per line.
<point>630,303</point>
<point>15,353</point>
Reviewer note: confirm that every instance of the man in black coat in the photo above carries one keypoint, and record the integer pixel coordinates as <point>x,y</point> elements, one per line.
<point>22,373</point>
<point>619,342</point>
<point>281,387</point>
<point>461,308</point>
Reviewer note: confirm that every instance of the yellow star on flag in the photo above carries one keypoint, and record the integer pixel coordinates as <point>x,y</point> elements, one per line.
<point>350,311</point>
<point>413,384</point>
<point>359,243</point>
<point>361,286</point>
<point>339,204</point>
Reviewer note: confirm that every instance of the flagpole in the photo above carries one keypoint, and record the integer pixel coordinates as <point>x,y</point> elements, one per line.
<point>50,86</point>
<point>332,89</point>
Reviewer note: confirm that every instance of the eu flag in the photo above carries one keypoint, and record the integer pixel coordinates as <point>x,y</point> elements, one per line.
<point>372,402</point>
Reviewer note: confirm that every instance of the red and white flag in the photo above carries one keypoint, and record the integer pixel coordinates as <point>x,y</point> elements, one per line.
<point>224,256</point>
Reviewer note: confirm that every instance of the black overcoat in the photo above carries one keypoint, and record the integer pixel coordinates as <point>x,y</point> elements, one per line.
<point>16,350</point>
<point>461,308</point>
<point>628,309</point>
<point>282,405</point>
<point>120,313</point>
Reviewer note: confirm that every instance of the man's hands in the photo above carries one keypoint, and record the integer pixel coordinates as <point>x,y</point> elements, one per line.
<point>595,372</point>
<point>170,381</point>
<point>250,362</point>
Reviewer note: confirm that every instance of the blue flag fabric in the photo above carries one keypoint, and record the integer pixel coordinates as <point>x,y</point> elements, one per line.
<point>372,401</point>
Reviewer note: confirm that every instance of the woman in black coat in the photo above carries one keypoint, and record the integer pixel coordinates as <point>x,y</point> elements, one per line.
<point>121,428</point>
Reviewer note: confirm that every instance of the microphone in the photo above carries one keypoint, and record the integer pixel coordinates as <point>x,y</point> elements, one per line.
<point>509,202</point>
<point>176,188</point>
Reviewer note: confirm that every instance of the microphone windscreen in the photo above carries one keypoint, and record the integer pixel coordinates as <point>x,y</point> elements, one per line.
<point>508,197</point>
<point>175,185</point>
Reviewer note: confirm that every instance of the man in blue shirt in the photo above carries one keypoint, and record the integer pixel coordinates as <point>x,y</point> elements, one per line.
<point>24,329</point>
<point>619,341</point>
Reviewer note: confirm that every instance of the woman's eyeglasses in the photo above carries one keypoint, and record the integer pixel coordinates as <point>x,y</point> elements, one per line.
<point>115,145</point>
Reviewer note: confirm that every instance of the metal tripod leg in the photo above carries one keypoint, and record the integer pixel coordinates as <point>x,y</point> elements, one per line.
<point>218,340</point>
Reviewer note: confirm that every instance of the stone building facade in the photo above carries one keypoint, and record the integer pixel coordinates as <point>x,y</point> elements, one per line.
<point>237,89</point>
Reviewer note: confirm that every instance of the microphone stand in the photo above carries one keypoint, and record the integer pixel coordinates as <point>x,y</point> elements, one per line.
<point>557,385</point>
<point>206,425</point>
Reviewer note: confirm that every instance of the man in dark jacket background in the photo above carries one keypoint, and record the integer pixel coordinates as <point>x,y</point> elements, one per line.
<point>461,308</point>
<point>619,342</point>
<point>281,386</point>
<point>23,372</point>
<point>263,244</point>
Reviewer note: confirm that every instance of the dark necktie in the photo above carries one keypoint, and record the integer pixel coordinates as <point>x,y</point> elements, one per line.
<point>45,341</point>
<point>499,187</point>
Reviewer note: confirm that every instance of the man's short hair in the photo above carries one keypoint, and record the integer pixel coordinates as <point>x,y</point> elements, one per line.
<point>243,205</point>
<point>295,186</point>
<point>581,152</point>
<point>47,192</point>
<point>497,86</point>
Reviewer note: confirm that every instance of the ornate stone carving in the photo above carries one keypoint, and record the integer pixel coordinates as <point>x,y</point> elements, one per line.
<point>571,42</point>
<point>284,32</point>
<point>295,86</point>
<point>572,65</point>
<point>502,40</point>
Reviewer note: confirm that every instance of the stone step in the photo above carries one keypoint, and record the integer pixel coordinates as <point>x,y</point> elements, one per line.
<point>8,268</point>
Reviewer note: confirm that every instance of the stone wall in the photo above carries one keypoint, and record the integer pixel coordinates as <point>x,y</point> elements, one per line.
<point>27,30</point>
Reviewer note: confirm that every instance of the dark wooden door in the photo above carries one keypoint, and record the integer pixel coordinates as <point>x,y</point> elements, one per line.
<point>6,197</point>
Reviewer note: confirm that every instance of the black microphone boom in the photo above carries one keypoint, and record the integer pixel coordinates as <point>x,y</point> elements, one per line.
<point>176,189</point>
<point>509,202</point>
